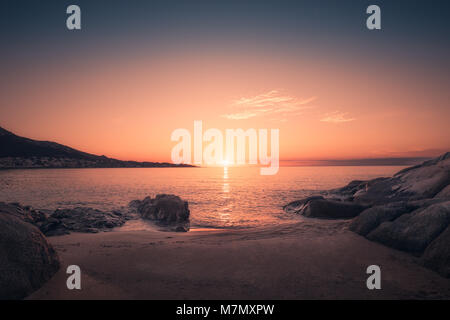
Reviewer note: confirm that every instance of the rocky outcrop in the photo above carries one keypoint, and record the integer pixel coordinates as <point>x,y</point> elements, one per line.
<point>25,213</point>
<point>165,210</point>
<point>423,181</point>
<point>168,211</point>
<point>437,254</point>
<point>318,207</point>
<point>299,205</point>
<point>64,221</point>
<point>371,218</point>
<point>408,211</point>
<point>444,193</point>
<point>82,219</point>
<point>27,260</point>
<point>414,231</point>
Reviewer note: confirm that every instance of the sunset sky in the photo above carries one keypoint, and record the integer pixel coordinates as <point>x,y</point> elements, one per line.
<point>140,69</point>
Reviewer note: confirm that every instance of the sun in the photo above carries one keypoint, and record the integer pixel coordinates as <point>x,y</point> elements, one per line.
<point>225,163</point>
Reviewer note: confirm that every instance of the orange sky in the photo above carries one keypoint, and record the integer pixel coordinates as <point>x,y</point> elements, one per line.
<point>334,108</point>
<point>312,69</point>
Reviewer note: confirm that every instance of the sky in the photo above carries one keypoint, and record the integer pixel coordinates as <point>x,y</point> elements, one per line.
<point>138,70</point>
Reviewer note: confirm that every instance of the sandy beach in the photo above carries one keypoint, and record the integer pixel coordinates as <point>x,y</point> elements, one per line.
<point>311,259</point>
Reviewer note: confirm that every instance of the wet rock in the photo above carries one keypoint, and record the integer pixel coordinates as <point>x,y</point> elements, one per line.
<point>437,254</point>
<point>25,213</point>
<point>27,260</point>
<point>166,210</point>
<point>318,207</point>
<point>81,219</point>
<point>299,205</point>
<point>414,231</point>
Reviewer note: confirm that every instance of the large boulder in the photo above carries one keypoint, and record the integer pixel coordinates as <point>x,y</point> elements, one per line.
<point>318,207</point>
<point>414,231</point>
<point>27,260</point>
<point>437,254</point>
<point>166,210</point>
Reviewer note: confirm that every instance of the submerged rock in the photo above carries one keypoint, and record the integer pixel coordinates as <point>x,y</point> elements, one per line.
<point>166,210</point>
<point>27,260</point>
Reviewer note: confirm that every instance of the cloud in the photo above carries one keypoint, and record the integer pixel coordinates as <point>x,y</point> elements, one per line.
<point>337,117</point>
<point>273,103</point>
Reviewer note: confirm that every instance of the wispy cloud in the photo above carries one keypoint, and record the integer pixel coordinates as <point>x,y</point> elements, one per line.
<point>279,106</point>
<point>337,117</point>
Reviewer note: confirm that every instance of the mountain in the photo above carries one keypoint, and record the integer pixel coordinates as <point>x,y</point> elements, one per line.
<point>20,152</point>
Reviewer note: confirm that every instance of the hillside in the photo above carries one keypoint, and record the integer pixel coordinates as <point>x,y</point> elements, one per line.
<point>20,152</point>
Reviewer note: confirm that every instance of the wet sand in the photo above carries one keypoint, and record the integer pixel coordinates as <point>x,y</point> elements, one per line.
<point>311,259</point>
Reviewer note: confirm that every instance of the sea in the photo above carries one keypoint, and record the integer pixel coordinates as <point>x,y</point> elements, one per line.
<point>219,197</point>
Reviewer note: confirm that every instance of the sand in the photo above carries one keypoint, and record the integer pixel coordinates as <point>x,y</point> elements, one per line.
<point>309,259</point>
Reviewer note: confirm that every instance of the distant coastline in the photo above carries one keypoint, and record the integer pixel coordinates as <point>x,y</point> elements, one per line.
<point>401,161</point>
<point>22,153</point>
<point>61,164</point>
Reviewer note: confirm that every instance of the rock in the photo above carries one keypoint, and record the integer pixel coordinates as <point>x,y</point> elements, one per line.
<point>356,187</point>
<point>371,218</point>
<point>351,188</point>
<point>27,260</point>
<point>81,219</point>
<point>299,205</point>
<point>414,231</point>
<point>25,213</point>
<point>63,221</point>
<point>444,193</point>
<point>407,211</point>
<point>135,203</point>
<point>318,207</point>
<point>166,210</point>
<point>423,181</point>
<point>437,254</point>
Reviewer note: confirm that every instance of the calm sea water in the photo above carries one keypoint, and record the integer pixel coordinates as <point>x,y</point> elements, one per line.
<point>218,197</point>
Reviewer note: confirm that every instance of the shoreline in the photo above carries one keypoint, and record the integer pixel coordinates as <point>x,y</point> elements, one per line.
<point>323,253</point>
<point>155,167</point>
<point>311,259</point>
<point>205,167</point>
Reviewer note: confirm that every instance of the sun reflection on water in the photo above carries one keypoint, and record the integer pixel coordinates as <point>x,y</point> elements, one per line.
<point>224,214</point>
